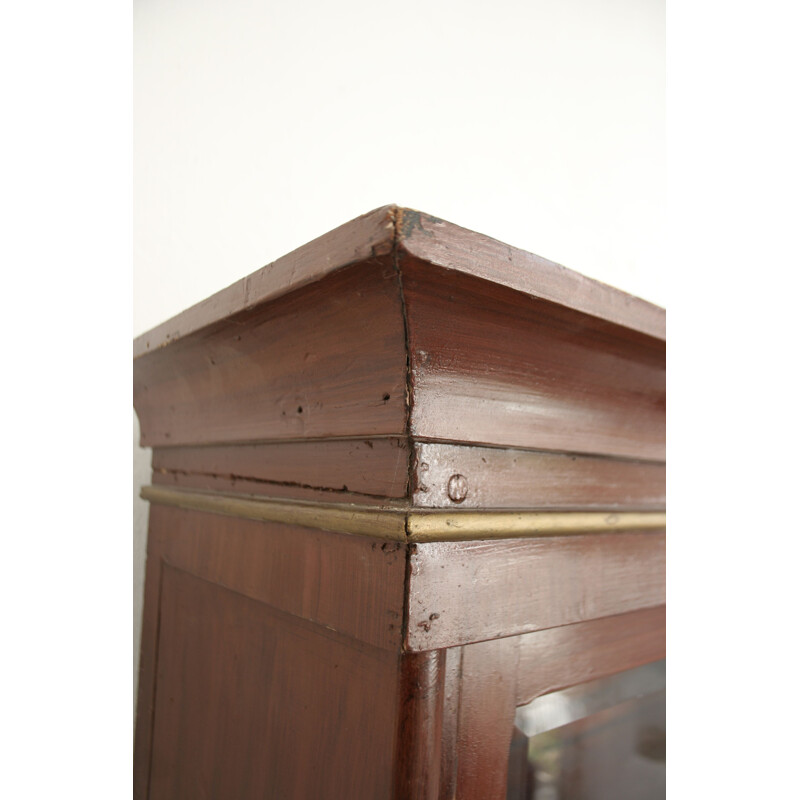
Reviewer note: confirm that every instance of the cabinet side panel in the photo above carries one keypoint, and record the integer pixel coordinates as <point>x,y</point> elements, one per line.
<point>253,703</point>
<point>148,658</point>
<point>350,584</point>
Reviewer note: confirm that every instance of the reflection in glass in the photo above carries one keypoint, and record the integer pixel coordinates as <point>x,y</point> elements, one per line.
<point>599,740</point>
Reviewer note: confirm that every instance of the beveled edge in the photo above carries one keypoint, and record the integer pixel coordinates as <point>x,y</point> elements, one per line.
<point>409,525</point>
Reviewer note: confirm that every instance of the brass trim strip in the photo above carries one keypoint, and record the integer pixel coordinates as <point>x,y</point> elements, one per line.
<point>410,524</point>
<point>425,526</point>
<point>364,520</point>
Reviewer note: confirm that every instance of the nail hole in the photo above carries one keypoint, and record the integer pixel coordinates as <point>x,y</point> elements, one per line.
<point>386,397</point>
<point>299,409</point>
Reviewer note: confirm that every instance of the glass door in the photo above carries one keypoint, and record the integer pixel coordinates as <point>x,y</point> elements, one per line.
<point>599,740</point>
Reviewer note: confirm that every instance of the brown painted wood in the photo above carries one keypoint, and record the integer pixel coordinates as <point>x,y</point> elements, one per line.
<point>148,660</point>
<point>350,584</point>
<point>366,236</point>
<point>556,658</point>
<point>514,478</point>
<point>494,366</point>
<point>236,681</point>
<point>418,753</point>
<point>211,483</point>
<point>330,470</point>
<point>486,718</point>
<point>371,366</point>
<point>460,250</point>
<point>327,361</point>
<point>451,705</point>
<point>429,239</point>
<point>461,592</point>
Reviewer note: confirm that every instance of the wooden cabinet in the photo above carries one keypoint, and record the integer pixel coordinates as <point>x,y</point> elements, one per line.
<point>406,480</point>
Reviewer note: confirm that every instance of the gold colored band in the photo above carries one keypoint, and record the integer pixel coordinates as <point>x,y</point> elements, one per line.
<point>413,525</point>
<point>364,520</point>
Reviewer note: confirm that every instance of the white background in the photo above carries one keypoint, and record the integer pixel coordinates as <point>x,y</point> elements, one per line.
<point>66,252</point>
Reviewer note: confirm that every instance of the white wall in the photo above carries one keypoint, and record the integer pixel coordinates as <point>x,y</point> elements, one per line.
<point>261,125</point>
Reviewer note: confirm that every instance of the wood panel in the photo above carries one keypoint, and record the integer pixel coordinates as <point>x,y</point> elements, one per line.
<point>252,703</point>
<point>514,478</point>
<point>554,659</point>
<point>486,718</point>
<point>328,360</point>
<point>350,584</point>
<point>418,750</point>
<point>447,245</point>
<point>428,238</point>
<point>461,592</point>
<point>351,469</point>
<point>369,235</point>
<point>148,659</point>
<point>494,366</point>
<point>268,490</point>
<point>451,704</point>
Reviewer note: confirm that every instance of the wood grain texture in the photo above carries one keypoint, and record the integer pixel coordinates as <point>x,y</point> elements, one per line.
<point>269,490</point>
<point>148,660</point>
<point>486,718</point>
<point>253,703</point>
<point>350,584</point>
<point>458,249</point>
<point>556,658</point>
<point>494,366</point>
<point>405,366</point>
<point>327,361</point>
<point>418,752</point>
<point>326,470</point>
<point>366,236</point>
<point>514,478</point>
<point>451,705</point>
<point>461,592</point>
<point>428,238</point>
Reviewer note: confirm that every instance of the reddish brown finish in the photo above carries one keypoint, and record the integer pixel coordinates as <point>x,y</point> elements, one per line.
<point>462,251</point>
<point>327,361</point>
<point>486,718</point>
<point>350,584</point>
<point>512,478</point>
<point>211,483</point>
<point>236,681</point>
<point>357,468</point>
<point>148,659</point>
<point>462,592</point>
<point>398,361</point>
<point>490,365</point>
<point>429,239</point>
<point>367,236</point>
<point>559,657</point>
<point>451,703</point>
<point>419,738</point>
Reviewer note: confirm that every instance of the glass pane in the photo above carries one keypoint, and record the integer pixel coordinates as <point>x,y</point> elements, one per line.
<point>594,741</point>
